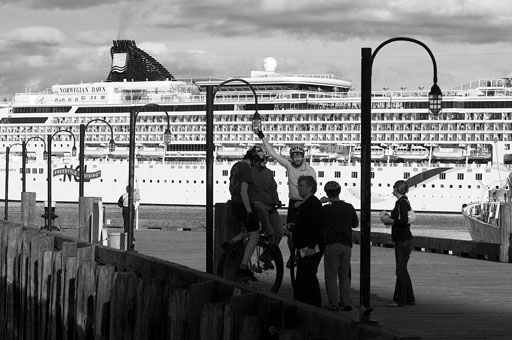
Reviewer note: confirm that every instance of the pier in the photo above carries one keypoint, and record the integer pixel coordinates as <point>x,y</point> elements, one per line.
<point>462,290</point>
<point>457,297</point>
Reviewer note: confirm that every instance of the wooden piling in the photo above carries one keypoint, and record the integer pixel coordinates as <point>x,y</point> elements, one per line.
<point>505,231</point>
<point>85,212</point>
<point>28,209</point>
<point>226,226</point>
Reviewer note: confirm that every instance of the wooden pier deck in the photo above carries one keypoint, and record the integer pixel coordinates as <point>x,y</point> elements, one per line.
<point>457,298</point>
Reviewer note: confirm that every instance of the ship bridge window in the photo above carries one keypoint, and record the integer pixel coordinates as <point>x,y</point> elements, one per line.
<point>320,174</point>
<point>354,174</point>
<point>407,175</point>
<point>372,174</point>
<point>224,172</point>
<point>442,176</point>
<point>478,177</point>
<point>337,174</point>
<point>460,177</point>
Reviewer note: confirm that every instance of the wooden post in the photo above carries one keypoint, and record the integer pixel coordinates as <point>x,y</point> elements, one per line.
<point>85,217</point>
<point>97,221</point>
<point>226,226</point>
<point>28,209</point>
<point>505,230</point>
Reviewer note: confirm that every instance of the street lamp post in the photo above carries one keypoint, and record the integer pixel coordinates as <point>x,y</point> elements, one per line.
<point>24,159</point>
<point>210,96</point>
<point>435,104</point>
<point>7,151</point>
<point>81,154</point>
<point>49,171</point>
<point>131,163</point>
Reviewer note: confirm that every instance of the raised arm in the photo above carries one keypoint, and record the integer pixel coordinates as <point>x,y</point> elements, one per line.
<point>272,152</point>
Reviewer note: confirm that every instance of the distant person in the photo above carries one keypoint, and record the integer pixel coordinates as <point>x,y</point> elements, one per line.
<point>239,180</point>
<point>402,237</point>
<point>339,218</point>
<point>308,238</point>
<point>122,202</point>
<point>296,167</point>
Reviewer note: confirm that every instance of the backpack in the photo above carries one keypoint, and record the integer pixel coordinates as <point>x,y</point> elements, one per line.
<point>120,202</point>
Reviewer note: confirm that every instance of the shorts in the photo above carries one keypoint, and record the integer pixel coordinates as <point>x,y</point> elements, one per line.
<point>238,209</point>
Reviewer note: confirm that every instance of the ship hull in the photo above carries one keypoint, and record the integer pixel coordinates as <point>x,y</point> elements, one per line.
<point>184,183</point>
<point>480,230</point>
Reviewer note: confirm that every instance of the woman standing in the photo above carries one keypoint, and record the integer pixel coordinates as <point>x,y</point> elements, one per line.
<point>402,237</point>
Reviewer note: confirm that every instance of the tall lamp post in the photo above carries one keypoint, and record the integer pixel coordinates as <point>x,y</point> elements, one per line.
<point>7,151</point>
<point>435,103</point>
<point>256,125</point>
<point>81,154</point>
<point>24,160</point>
<point>49,170</point>
<point>131,155</point>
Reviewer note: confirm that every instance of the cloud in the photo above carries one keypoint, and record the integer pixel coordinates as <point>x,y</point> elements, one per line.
<point>60,4</point>
<point>462,21</point>
<point>39,35</point>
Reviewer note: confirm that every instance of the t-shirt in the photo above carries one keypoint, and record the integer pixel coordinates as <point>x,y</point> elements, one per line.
<point>264,187</point>
<point>240,172</point>
<point>339,218</point>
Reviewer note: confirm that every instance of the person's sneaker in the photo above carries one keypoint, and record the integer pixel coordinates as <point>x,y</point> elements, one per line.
<point>267,264</point>
<point>245,273</point>
<point>289,263</point>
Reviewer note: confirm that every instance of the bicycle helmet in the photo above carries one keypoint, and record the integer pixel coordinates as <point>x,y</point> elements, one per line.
<point>253,154</point>
<point>297,149</point>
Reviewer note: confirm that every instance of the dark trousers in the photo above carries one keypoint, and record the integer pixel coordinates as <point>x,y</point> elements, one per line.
<point>403,287</point>
<point>126,218</point>
<point>306,288</point>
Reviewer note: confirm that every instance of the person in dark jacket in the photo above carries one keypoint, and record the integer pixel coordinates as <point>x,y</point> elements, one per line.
<point>308,239</point>
<point>339,218</point>
<point>402,237</point>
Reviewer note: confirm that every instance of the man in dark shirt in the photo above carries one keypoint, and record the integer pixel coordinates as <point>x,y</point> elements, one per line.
<point>239,180</point>
<point>308,239</point>
<point>339,218</point>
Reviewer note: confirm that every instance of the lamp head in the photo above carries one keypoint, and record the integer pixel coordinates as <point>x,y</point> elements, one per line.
<point>45,155</point>
<point>435,100</point>
<point>256,122</point>
<point>111,146</point>
<point>167,136</point>
<point>73,151</point>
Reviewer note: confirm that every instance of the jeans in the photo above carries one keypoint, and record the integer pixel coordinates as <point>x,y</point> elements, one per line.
<point>337,267</point>
<point>307,288</point>
<point>403,287</point>
<point>270,221</point>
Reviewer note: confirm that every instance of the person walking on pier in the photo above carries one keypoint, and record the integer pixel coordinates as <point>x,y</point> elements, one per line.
<point>295,167</point>
<point>402,237</point>
<point>339,218</point>
<point>308,238</point>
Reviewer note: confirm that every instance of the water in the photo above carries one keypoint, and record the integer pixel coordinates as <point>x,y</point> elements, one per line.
<point>173,217</point>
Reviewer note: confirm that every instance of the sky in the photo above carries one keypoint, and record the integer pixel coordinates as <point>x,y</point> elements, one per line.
<point>48,42</point>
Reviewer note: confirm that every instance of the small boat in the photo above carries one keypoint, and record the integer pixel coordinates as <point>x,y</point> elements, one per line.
<point>482,154</point>
<point>377,153</point>
<point>411,153</point>
<point>483,219</point>
<point>447,153</point>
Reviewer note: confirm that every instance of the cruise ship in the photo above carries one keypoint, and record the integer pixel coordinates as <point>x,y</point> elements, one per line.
<point>448,160</point>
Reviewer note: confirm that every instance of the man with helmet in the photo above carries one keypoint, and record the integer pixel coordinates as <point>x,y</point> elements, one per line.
<point>296,167</point>
<point>239,180</point>
<point>339,218</point>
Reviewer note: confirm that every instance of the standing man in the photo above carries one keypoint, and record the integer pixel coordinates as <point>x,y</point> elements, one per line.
<point>339,218</point>
<point>308,238</point>
<point>296,167</point>
<point>239,180</point>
